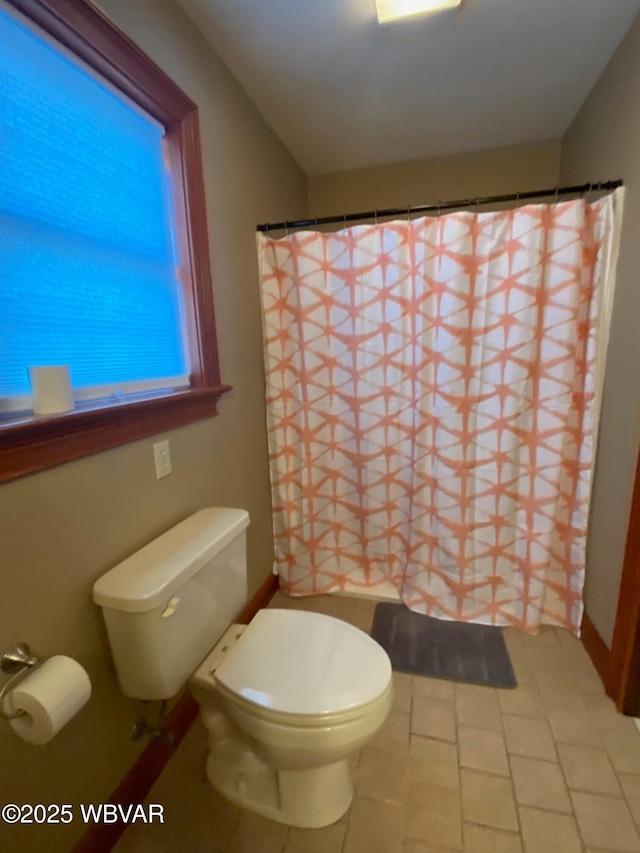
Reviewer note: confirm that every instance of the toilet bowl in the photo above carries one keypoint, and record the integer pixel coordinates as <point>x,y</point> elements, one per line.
<point>286,700</point>
<point>294,697</point>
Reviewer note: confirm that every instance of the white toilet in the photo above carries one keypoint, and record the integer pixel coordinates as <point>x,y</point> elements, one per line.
<point>286,700</point>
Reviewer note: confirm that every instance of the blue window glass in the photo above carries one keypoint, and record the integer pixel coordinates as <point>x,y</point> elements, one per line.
<point>88,266</point>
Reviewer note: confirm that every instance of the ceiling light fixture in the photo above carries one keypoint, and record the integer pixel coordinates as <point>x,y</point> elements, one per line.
<point>392,10</point>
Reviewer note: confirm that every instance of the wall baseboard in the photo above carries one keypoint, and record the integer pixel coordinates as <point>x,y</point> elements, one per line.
<point>101,838</point>
<point>596,648</point>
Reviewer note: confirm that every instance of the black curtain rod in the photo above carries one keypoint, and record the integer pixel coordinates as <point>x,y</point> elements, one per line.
<point>445,205</point>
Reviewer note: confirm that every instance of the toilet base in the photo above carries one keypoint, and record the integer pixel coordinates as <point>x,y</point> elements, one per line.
<point>309,798</point>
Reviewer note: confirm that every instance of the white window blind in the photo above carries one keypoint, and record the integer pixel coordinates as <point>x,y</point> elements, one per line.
<point>88,265</point>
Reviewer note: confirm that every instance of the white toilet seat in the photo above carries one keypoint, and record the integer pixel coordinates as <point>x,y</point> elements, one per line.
<point>305,721</point>
<point>297,665</point>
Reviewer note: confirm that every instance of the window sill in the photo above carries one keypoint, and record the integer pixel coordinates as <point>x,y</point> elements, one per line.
<point>30,443</point>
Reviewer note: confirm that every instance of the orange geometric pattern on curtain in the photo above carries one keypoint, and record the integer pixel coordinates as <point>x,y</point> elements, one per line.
<point>430,406</point>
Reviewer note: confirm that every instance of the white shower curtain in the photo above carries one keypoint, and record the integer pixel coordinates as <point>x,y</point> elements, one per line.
<point>433,389</point>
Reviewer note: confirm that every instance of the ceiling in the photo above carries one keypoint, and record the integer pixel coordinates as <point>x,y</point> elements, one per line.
<point>343,92</point>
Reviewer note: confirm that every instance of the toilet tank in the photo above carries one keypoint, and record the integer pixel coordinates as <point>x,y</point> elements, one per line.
<point>166,606</point>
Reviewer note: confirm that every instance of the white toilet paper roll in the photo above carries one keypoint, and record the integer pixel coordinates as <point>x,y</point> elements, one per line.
<point>51,389</point>
<point>51,695</point>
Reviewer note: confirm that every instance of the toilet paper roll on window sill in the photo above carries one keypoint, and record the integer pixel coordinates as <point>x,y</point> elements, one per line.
<point>51,389</point>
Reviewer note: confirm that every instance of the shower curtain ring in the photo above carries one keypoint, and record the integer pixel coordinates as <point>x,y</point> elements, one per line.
<point>375,215</point>
<point>477,204</point>
<point>286,229</point>
<point>555,195</point>
<point>439,203</point>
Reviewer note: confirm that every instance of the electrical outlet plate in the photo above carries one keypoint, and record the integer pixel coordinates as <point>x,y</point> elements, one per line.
<point>162,457</point>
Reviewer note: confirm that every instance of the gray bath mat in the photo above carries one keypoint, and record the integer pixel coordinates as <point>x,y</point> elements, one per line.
<point>458,651</point>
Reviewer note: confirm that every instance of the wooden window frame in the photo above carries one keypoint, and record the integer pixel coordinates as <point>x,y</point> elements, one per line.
<point>29,443</point>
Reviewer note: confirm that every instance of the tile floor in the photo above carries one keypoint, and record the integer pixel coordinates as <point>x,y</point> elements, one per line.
<point>549,767</point>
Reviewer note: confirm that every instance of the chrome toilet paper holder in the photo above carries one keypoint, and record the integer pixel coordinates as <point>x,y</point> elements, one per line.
<point>16,662</point>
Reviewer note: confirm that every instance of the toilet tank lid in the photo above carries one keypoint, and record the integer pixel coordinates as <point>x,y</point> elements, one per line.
<point>153,574</point>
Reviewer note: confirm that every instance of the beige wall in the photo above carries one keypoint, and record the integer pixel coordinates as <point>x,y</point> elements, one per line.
<point>61,529</point>
<point>604,142</point>
<point>482,173</point>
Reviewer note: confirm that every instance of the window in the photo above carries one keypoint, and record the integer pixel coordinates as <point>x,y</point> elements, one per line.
<point>128,294</point>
